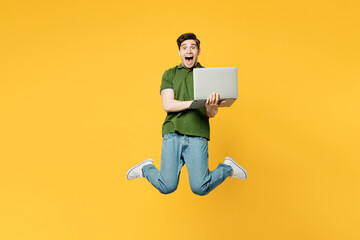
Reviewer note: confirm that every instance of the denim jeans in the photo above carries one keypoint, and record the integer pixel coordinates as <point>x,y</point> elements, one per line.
<point>178,150</point>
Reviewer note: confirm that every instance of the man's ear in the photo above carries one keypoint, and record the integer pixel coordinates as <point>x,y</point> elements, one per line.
<point>199,51</point>
<point>179,52</point>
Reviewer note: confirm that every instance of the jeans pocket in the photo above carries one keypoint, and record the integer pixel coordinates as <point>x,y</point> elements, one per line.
<point>168,136</point>
<point>201,139</point>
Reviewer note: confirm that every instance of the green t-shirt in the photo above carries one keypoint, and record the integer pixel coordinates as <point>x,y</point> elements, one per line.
<point>191,122</point>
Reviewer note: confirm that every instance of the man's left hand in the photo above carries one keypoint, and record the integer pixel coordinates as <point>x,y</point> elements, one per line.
<point>212,104</point>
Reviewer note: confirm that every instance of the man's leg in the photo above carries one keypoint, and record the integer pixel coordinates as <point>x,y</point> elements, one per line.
<point>202,181</point>
<point>166,180</point>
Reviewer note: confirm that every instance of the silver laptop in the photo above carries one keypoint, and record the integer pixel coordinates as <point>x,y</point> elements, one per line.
<point>219,80</point>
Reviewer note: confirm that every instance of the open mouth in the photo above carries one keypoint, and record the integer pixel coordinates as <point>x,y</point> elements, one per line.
<point>189,60</point>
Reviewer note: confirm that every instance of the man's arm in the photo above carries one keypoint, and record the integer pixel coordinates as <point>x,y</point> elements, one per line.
<point>172,105</point>
<point>212,104</point>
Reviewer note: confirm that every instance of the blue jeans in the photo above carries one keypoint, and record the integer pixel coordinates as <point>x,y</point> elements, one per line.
<point>178,150</point>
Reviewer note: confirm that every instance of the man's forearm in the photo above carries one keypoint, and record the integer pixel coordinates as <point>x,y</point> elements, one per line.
<point>211,113</point>
<point>176,106</point>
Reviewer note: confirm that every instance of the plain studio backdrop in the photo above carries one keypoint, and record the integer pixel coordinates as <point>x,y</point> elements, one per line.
<point>80,105</point>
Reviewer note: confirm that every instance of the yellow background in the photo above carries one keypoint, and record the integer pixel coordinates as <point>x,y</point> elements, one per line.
<point>80,105</point>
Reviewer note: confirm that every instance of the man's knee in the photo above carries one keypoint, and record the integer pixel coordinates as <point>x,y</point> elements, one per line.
<point>168,188</point>
<point>198,190</point>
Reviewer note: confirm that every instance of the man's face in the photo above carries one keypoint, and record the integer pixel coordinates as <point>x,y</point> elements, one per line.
<point>189,53</point>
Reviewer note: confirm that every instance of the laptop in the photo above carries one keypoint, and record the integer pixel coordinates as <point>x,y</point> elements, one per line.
<point>219,80</point>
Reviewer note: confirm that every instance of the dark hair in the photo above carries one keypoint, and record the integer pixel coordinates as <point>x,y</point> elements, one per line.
<point>187,36</point>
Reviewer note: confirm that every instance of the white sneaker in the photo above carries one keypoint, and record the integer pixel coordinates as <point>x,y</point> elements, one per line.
<point>238,171</point>
<point>136,171</point>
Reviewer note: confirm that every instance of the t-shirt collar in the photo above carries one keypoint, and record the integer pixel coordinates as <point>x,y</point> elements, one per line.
<point>198,65</point>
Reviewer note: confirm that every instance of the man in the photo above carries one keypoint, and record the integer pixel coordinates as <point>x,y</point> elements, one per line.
<point>186,131</point>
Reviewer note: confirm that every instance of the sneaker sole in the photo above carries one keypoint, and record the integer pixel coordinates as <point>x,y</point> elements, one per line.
<point>147,160</point>
<point>233,161</point>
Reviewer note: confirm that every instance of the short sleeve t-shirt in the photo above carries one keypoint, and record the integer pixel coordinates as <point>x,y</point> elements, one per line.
<point>191,122</point>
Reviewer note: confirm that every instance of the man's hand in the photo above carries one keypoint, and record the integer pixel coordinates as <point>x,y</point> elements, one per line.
<point>212,104</point>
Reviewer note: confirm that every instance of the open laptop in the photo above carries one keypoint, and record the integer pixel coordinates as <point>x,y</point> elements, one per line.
<point>219,80</point>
